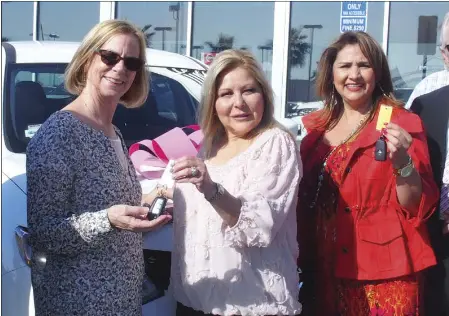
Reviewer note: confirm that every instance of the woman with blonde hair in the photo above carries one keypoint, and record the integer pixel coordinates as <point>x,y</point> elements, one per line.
<point>235,246</point>
<point>84,211</point>
<point>366,192</point>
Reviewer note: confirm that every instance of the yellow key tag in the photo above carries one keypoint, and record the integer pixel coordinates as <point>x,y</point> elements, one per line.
<point>384,116</point>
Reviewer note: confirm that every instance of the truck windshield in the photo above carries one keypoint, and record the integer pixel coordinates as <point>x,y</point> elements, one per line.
<point>34,91</point>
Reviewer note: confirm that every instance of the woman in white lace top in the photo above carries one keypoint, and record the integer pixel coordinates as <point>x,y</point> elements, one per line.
<point>235,247</point>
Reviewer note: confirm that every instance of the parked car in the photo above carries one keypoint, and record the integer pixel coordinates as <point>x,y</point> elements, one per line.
<point>33,89</point>
<point>297,110</point>
<point>405,83</point>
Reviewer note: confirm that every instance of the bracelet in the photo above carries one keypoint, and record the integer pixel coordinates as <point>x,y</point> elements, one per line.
<point>406,170</point>
<point>219,191</point>
<point>161,190</point>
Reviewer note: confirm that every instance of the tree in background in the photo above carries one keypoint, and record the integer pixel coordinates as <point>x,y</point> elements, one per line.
<point>148,35</point>
<point>299,48</point>
<point>224,42</point>
<point>5,39</point>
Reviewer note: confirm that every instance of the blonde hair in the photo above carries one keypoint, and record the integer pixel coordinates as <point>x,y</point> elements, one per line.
<point>75,74</point>
<point>224,62</point>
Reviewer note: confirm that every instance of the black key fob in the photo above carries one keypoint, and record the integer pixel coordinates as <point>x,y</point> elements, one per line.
<point>156,208</point>
<point>380,151</point>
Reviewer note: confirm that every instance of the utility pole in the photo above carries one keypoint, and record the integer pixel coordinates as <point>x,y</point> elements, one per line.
<point>163,29</point>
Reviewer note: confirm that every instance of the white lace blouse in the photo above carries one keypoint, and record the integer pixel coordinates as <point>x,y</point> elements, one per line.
<point>248,269</point>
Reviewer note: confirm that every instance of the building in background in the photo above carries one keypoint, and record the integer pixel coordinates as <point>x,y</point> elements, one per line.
<point>287,37</point>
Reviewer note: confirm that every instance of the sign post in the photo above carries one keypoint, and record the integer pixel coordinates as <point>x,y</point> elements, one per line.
<point>207,58</point>
<point>353,16</point>
<point>427,39</point>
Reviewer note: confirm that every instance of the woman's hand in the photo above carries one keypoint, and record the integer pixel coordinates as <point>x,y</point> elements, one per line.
<point>149,197</point>
<point>398,143</point>
<point>134,218</point>
<point>193,170</point>
<point>408,190</point>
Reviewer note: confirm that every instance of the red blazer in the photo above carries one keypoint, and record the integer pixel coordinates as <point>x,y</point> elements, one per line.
<point>378,238</point>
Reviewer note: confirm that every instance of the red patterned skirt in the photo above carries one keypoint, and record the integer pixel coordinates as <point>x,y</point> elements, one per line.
<point>396,297</point>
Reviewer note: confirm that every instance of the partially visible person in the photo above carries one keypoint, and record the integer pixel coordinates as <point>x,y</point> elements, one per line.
<point>433,108</point>
<point>440,78</point>
<point>235,247</point>
<point>362,237</point>
<point>84,199</point>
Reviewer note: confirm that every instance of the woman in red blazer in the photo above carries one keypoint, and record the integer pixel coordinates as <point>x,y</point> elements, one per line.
<point>360,221</point>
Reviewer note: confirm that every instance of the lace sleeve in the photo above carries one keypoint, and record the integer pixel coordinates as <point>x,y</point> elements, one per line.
<point>268,194</point>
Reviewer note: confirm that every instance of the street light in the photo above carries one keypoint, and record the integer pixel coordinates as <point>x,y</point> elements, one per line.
<point>163,29</point>
<point>195,48</point>
<point>175,9</point>
<point>263,48</point>
<point>312,28</point>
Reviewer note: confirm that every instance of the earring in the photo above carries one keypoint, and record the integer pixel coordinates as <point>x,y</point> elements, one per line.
<point>83,78</point>
<point>333,99</point>
<point>382,90</point>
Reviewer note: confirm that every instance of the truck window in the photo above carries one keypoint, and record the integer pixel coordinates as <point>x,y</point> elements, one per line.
<point>35,91</point>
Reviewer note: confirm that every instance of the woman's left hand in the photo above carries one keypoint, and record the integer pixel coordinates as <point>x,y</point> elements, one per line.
<point>398,143</point>
<point>193,170</point>
<point>149,197</point>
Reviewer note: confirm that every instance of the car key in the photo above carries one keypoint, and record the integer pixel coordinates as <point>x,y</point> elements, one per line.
<point>380,150</point>
<point>156,208</point>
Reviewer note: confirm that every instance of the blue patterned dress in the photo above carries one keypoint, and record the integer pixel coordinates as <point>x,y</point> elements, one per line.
<point>73,176</point>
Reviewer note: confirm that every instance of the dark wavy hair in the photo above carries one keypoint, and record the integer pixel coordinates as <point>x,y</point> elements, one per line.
<point>333,102</point>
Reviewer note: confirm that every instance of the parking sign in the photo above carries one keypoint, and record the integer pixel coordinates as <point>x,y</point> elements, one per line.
<point>207,58</point>
<point>353,16</point>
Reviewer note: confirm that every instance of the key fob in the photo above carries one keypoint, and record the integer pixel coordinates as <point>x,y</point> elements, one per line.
<point>156,208</point>
<point>380,151</point>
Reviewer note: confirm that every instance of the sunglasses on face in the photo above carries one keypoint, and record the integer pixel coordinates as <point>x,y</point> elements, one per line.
<point>447,48</point>
<point>111,58</point>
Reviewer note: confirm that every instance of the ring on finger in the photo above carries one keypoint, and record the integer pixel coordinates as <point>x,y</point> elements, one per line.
<point>193,171</point>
